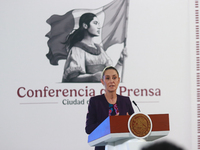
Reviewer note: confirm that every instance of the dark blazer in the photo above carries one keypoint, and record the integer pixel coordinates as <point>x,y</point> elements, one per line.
<point>98,111</point>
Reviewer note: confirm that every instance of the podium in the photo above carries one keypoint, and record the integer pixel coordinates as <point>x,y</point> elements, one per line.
<point>129,132</point>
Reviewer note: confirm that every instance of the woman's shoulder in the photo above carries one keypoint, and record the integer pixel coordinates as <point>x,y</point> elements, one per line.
<point>97,97</point>
<point>120,98</point>
<point>97,100</point>
<point>76,49</point>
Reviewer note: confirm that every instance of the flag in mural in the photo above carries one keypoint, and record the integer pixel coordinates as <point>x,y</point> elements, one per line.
<point>112,17</point>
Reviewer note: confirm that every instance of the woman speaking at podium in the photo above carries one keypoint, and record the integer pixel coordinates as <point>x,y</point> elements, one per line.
<point>108,104</point>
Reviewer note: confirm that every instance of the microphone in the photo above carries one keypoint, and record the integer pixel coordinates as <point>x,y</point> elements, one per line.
<point>136,105</point>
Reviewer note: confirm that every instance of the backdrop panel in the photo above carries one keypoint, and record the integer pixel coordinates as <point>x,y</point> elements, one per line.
<point>39,112</point>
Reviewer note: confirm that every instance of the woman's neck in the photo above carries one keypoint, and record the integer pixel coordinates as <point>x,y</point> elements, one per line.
<point>111,97</point>
<point>88,40</point>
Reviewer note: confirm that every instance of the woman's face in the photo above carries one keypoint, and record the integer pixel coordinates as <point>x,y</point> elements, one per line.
<point>110,80</point>
<point>94,28</point>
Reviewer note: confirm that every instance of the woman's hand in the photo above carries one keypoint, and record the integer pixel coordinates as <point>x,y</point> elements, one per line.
<point>122,56</point>
<point>97,76</point>
<point>118,114</point>
<point>124,52</point>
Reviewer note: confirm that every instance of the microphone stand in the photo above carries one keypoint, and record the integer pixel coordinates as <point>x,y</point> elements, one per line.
<point>136,105</point>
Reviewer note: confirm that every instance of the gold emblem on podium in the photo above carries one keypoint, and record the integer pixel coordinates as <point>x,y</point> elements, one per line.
<point>140,125</point>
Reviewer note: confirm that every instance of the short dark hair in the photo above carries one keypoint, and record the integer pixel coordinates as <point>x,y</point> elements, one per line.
<point>108,68</point>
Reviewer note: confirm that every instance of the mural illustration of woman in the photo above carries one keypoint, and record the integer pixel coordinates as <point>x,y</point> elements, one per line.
<point>86,59</point>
